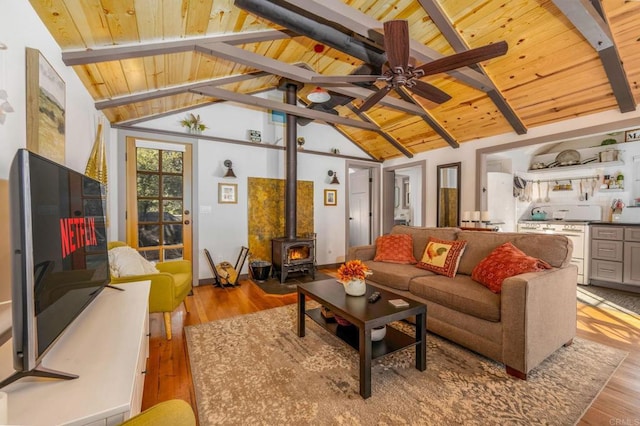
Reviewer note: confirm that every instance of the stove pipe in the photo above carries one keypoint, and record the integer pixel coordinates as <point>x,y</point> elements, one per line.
<point>291,182</point>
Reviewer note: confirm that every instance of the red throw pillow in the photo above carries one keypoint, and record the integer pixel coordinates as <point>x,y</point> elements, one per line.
<point>504,262</point>
<point>396,248</point>
<point>442,256</point>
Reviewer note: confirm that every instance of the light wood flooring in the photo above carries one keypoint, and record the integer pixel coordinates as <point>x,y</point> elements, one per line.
<point>168,374</point>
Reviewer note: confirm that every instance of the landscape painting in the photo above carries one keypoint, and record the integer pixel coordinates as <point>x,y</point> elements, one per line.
<point>45,108</point>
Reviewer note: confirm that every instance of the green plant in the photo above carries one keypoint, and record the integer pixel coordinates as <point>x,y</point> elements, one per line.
<point>609,142</point>
<point>193,122</point>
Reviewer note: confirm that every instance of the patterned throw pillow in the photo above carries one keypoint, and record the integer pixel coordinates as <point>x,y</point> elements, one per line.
<point>396,248</point>
<point>442,256</point>
<point>504,262</point>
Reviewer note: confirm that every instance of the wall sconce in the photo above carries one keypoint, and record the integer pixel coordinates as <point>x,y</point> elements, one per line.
<point>335,180</point>
<point>229,174</point>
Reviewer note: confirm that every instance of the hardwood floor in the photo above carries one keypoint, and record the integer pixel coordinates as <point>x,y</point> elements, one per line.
<point>168,373</point>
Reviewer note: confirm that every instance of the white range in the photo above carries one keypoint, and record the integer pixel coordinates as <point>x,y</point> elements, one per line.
<point>574,225</point>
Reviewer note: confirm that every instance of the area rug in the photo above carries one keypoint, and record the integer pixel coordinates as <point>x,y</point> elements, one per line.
<point>254,369</point>
<point>274,286</point>
<point>610,298</point>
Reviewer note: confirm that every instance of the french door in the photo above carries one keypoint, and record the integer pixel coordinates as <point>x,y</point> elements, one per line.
<point>159,222</point>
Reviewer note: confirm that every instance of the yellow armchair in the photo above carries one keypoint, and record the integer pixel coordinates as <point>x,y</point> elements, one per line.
<point>169,288</point>
<point>174,412</point>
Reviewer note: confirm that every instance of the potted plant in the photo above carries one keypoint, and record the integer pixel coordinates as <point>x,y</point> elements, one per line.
<point>352,275</point>
<point>193,123</point>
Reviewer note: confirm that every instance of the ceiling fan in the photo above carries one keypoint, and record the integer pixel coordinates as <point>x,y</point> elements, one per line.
<point>400,69</point>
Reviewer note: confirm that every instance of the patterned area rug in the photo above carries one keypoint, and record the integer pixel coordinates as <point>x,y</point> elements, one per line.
<point>254,369</point>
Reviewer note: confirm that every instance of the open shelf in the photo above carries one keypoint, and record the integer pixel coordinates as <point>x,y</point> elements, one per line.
<point>393,341</point>
<point>593,165</point>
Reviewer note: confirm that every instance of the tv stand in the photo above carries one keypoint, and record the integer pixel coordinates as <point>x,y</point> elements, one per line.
<point>39,371</point>
<point>107,346</point>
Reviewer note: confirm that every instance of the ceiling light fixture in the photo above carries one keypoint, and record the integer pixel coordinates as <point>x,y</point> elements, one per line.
<point>318,95</point>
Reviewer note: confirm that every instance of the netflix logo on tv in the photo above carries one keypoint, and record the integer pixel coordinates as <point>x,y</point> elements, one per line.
<point>77,232</point>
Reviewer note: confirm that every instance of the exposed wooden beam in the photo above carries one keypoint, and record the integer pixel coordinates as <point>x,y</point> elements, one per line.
<point>241,56</point>
<point>216,92</point>
<point>169,91</point>
<point>431,121</point>
<point>115,53</point>
<point>342,14</point>
<point>589,18</point>
<point>397,145</point>
<point>588,21</point>
<point>444,24</point>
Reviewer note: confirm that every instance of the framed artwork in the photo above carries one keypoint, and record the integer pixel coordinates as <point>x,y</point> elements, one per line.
<point>276,117</point>
<point>632,135</point>
<point>45,108</point>
<point>227,193</point>
<point>330,197</point>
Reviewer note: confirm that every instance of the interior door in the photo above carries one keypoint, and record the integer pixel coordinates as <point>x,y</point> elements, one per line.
<point>159,220</point>
<point>359,208</point>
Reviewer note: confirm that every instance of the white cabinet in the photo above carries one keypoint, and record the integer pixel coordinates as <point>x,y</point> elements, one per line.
<point>107,347</point>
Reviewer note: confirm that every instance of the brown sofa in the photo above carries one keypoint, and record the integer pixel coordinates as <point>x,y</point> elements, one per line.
<point>533,316</point>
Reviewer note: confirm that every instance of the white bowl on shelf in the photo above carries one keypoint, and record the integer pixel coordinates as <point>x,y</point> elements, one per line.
<point>378,333</point>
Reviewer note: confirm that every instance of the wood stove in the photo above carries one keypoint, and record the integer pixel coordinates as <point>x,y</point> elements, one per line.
<point>293,255</point>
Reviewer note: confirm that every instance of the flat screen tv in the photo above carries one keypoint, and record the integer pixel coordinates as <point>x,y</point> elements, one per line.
<point>60,261</point>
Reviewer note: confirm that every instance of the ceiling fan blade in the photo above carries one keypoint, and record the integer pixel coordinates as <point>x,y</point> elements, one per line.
<point>430,92</point>
<point>374,98</point>
<point>464,59</point>
<point>396,43</point>
<point>343,78</point>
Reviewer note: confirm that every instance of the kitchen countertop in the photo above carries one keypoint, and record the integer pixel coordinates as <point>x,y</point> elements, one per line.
<point>602,222</point>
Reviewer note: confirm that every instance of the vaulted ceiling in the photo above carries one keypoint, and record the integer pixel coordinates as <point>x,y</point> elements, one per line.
<point>141,59</point>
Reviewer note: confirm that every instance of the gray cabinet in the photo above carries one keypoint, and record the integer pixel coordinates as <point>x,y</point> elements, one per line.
<point>615,254</point>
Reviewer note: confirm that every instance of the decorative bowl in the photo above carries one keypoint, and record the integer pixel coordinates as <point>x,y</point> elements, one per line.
<point>378,333</point>
<point>340,320</point>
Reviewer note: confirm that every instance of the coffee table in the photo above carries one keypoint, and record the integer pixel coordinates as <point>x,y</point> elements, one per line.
<point>365,316</point>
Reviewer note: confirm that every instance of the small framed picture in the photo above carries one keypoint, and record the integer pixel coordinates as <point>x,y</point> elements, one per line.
<point>227,193</point>
<point>632,135</point>
<point>330,197</point>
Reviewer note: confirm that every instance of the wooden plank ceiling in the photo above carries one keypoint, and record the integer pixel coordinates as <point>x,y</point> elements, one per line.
<point>143,58</point>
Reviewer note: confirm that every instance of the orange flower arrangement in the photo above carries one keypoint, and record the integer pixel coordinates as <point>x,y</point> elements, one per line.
<point>353,269</point>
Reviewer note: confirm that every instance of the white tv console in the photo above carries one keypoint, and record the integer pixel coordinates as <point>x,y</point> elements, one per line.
<point>107,346</point>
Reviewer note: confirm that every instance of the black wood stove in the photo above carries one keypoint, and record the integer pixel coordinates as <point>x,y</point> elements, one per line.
<point>292,253</point>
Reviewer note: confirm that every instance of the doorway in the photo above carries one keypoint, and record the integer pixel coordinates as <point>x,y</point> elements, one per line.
<point>363,203</point>
<point>403,197</point>
<point>159,219</point>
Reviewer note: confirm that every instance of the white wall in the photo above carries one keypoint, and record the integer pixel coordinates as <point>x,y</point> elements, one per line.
<point>223,228</point>
<point>20,27</point>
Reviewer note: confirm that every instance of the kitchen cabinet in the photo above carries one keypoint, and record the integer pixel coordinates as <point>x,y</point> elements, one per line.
<point>615,254</point>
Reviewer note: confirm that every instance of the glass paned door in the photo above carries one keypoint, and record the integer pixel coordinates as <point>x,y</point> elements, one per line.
<point>158,199</point>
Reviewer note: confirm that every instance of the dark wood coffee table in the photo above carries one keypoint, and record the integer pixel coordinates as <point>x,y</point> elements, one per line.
<point>365,316</point>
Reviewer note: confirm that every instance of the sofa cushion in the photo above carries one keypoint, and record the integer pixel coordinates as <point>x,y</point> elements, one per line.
<point>442,256</point>
<point>460,293</point>
<point>421,236</point>
<point>125,261</point>
<point>394,275</point>
<point>395,249</point>
<point>504,262</point>
<point>554,249</point>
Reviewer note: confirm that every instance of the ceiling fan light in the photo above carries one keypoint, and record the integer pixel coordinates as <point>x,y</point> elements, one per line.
<point>318,95</point>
